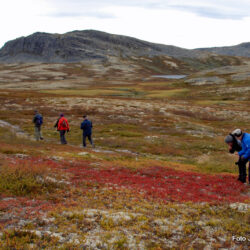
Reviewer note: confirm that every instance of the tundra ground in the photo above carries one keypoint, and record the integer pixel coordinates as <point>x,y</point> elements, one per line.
<point>159,177</point>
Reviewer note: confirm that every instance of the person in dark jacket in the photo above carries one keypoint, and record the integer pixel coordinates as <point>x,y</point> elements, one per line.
<point>86,127</point>
<point>38,121</point>
<point>62,126</point>
<point>234,145</point>
<point>244,154</point>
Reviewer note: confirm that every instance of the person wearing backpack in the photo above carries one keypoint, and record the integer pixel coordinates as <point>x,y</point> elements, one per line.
<point>86,127</point>
<point>62,127</point>
<point>38,121</point>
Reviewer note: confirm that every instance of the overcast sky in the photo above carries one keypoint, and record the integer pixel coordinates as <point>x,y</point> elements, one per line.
<point>184,23</point>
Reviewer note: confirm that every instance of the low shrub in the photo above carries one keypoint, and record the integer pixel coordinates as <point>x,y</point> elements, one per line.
<point>25,178</point>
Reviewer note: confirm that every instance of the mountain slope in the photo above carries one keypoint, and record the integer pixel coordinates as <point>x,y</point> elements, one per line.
<point>83,45</point>
<point>242,49</point>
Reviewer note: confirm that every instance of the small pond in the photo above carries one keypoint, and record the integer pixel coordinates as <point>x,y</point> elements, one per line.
<point>169,76</point>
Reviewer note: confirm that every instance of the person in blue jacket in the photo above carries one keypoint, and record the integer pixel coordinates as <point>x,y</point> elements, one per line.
<point>86,127</point>
<point>244,154</point>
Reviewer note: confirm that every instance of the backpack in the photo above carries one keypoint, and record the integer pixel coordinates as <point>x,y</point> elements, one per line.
<point>64,124</point>
<point>39,120</point>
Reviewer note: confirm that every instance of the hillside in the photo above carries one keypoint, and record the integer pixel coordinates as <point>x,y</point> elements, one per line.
<point>89,45</point>
<point>107,57</point>
<point>83,45</point>
<point>242,49</point>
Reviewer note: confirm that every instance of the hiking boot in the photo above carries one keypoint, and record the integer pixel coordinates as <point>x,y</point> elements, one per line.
<point>41,138</point>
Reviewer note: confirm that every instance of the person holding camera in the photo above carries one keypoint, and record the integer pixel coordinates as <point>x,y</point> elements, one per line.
<point>240,142</point>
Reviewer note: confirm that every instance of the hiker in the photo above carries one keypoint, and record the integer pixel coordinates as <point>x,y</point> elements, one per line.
<point>62,126</point>
<point>38,121</point>
<point>86,127</point>
<point>244,154</point>
<point>234,145</point>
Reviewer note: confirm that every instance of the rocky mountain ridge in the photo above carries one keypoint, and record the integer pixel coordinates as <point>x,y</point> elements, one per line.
<point>84,45</point>
<point>242,49</point>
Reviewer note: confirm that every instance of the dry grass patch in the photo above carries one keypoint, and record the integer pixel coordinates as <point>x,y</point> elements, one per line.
<point>168,93</point>
<point>25,178</point>
<point>83,92</point>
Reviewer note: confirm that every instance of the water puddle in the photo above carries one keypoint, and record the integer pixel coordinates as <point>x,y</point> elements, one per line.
<point>169,76</point>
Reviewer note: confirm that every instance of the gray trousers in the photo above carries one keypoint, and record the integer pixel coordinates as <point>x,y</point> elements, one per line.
<point>38,133</point>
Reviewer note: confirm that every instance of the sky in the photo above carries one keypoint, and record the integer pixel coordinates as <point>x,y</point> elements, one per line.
<point>184,23</point>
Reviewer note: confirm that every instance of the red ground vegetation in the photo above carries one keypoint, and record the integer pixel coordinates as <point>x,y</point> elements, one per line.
<point>166,184</point>
<point>161,183</point>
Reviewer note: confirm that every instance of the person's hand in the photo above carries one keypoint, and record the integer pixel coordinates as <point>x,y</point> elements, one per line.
<point>243,159</point>
<point>67,130</point>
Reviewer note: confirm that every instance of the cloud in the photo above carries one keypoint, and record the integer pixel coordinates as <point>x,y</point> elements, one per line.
<point>212,12</point>
<point>95,14</point>
<point>77,8</point>
<point>216,9</point>
<point>184,23</point>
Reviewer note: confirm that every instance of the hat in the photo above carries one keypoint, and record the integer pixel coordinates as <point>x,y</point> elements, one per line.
<point>237,132</point>
<point>229,138</point>
<point>62,115</point>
